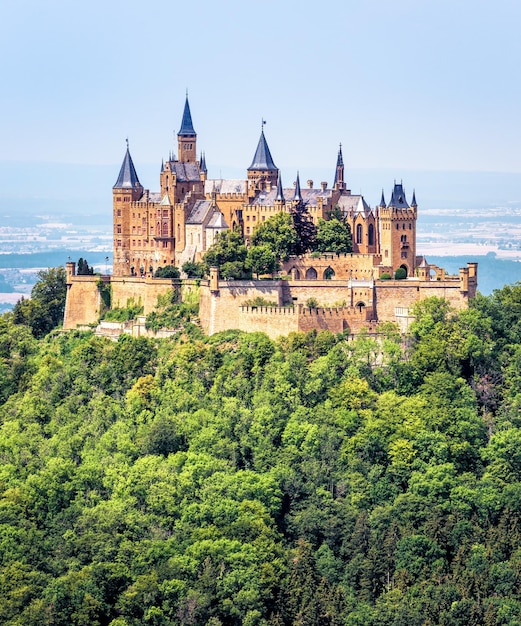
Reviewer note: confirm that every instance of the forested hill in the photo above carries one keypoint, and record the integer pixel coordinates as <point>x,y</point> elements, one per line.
<point>236,480</point>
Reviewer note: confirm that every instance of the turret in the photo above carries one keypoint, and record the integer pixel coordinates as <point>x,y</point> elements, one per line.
<point>127,189</point>
<point>262,171</point>
<point>186,137</point>
<point>398,230</point>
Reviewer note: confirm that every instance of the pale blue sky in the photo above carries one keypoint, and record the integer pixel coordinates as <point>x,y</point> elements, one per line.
<point>403,84</point>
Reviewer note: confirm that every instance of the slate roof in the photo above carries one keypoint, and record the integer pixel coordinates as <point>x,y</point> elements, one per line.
<point>187,128</point>
<point>217,221</point>
<point>199,211</point>
<point>127,178</point>
<point>262,159</point>
<point>309,196</point>
<point>221,185</point>
<point>185,172</point>
<point>354,203</point>
<point>398,199</point>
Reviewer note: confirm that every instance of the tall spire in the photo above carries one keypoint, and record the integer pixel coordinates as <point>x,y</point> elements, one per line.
<point>127,178</point>
<point>382,200</point>
<point>280,193</point>
<point>187,128</point>
<point>298,195</point>
<point>339,172</point>
<point>262,159</point>
<point>202,165</point>
<point>398,199</point>
<point>413,201</point>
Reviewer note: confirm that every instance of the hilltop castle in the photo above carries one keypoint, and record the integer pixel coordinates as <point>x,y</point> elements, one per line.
<point>180,222</point>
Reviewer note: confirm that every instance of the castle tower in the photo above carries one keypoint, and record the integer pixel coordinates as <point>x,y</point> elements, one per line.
<point>263,172</point>
<point>186,137</point>
<point>339,172</point>
<point>398,231</point>
<point>127,189</point>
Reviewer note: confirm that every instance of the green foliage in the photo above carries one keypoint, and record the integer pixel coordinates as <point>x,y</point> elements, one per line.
<point>172,313</point>
<point>234,479</point>
<point>167,271</point>
<point>261,260</point>
<point>228,253</point>
<point>312,303</point>
<point>278,234</point>
<point>400,274</point>
<point>333,236</point>
<point>193,269</point>
<point>259,301</point>
<point>124,314</point>
<point>44,311</point>
<point>385,276</point>
<point>305,229</point>
<point>83,268</point>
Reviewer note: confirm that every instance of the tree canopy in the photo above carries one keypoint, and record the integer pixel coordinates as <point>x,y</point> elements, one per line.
<point>237,480</point>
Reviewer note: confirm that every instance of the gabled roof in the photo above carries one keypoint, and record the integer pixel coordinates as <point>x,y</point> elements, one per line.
<point>217,221</point>
<point>187,128</point>
<point>127,178</point>
<point>185,172</point>
<point>262,159</point>
<point>398,200</point>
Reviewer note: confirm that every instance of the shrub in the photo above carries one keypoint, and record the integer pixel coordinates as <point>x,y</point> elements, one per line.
<point>312,303</point>
<point>168,271</point>
<point>385,276</point>
<point>400,273</point>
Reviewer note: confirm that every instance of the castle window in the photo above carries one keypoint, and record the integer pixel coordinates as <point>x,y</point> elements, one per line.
<point>247,218</point>
<point>410,226</point>
<point>359,233</point>
<point>248,230</point>
<point>397,226</point>
<point>404,255</point>
<point>133,230</point>
<point>165,229</point>
<point>119,243</point>
<point>118,199</point>
<point>403,226</point>
<point>387,253</point>
<point>134,243</point>
<point>139,243</point>
<point>118,229</point>
<point>263,218</point>
<point>139,230</point>
<point>165,212</point>
<point>370,235</point>
<point>253,218</point>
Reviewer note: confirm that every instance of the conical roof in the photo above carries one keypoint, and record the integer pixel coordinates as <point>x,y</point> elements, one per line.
<point>298,194</point>
<point>262,159</point>
<point>187,128</point>
<point>398,199</point>
<point>127,178</point>
<point>280,192</point>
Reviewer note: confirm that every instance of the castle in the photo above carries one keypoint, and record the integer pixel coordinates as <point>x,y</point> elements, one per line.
<point>181,221</point>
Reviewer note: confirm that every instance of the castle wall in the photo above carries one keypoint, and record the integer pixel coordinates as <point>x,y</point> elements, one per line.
<point>83,302</point>
<point>144,290</point>
<point>345,266</point>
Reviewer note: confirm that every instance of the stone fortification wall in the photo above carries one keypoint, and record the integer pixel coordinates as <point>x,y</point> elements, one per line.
<point>344,266</point>
<point>220,303</point>
<point>143,290</point>
<point>83,303</point>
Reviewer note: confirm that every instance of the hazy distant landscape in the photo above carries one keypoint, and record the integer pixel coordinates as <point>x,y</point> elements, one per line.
<point>51,213</point>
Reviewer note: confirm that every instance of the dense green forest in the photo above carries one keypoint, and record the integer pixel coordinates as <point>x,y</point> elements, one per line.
<point>236,480</point>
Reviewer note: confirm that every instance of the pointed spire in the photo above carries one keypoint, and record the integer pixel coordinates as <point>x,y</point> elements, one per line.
<point>262,159</point>
<point>382,201</point>
<point>339,171</point>
<point>162,166</point>
<point>280,193</point>
<point>202,165</point>
<point>298,195</point>
<point>187,128</point>
<point>127,178</point>
<point>413,202</point>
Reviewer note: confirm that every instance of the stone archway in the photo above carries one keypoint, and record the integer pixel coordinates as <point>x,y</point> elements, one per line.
<point>404,267</point>
<point>360,306</point>
<point>295,274</point>
<point>329,273</point>
<point>311,274</point>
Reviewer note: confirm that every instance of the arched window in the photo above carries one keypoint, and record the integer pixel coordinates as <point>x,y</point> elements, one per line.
<point>359,233</point>
<point>329,273</point>
<point>370,235</point>
<point>311,274</point>
<point>360,306</point>
<point>164,231</point>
